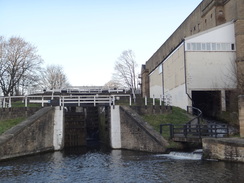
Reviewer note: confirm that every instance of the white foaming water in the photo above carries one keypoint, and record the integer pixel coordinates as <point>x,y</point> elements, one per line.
<point>195,155</point>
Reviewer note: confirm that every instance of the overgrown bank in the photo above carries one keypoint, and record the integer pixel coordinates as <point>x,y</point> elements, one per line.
<point>9,123</point>
<point>177,116</point>
<point>10,117</point>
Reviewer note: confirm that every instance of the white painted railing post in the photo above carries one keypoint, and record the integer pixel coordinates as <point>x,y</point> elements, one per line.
<point>79,101</point>
<point>145,100</point>
<point>113,101</point>
<point>52,94</point>
<point>153,100</point>
<point>130,100</point>
<point>160,101</point>
<point>42,101</point>
<point>60,102</point>
<point>9,101</point>
<point>94,101</point>
<point>26,101</point>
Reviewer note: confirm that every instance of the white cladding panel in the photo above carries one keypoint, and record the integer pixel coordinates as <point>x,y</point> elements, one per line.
<point>173,69</point>
<point>210,70</point>
<point>222,34</point>
<point>177,97</point>
<point>156,86</point>
<point>156,91</point>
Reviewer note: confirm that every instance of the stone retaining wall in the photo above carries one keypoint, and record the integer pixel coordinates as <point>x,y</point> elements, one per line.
<point>136,134</point>
<point>33,135</point>
<point>228,149</point>
<point>142,110</point>
<point>17,112</point>
<point>241,114</point>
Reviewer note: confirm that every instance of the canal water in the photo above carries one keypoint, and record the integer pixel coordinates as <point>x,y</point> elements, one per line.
<point>118,166</point>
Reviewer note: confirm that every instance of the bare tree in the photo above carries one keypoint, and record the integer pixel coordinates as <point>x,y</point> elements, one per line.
<point>240,78</point>
<point>125,70</point>
<point>19,62</point>
<point>54,77</point>
<point>235,76</point>
<point>113,84</point>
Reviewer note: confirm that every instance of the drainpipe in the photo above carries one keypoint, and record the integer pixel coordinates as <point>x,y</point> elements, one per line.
<point>185,72</point>
<point>163,81</point>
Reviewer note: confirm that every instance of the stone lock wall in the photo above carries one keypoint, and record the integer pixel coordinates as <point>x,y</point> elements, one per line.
<point>142,110</point>
<point>136,134</point>
<point>17,112</point>
<point>33,135</point>
<point>241,115</point>
<point>227,149</point>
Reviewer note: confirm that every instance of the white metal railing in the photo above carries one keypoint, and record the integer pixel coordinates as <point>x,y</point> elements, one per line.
<point>79,99</point>
<point>87,90</point>
<point>6,102</point>
<point>161,100</point>
<point>95,99</point>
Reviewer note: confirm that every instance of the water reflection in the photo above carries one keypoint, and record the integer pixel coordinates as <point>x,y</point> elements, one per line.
<point>93,165</point>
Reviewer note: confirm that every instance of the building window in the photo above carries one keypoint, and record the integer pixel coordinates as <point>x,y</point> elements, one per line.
<point>223,46</point>
<point>160,69</point>
<point>214,46</point>
<point>199,47</point>
<point>188,46</point>
<point>203,46</point>
<point>218,46</point>
<point>194,46</point>
<point>210,47</point>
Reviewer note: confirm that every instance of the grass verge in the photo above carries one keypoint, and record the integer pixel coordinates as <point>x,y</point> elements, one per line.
<point>7,124</point>
<point>178,116</point>
<point>21,104</point>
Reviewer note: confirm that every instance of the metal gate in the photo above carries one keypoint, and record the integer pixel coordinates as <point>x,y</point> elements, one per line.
<point>75,129</point>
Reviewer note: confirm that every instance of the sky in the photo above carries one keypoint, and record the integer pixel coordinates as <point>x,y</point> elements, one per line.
<point>86,37</point>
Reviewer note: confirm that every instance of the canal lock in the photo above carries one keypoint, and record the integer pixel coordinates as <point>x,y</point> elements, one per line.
<point>87,126</point>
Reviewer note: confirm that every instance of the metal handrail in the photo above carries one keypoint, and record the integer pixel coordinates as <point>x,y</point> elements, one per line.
<point>198,116</point>
<point>69,99</point>
<point>198,130</point>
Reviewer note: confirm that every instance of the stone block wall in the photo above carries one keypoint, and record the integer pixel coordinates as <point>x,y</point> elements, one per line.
<point>33,135</point>
<point>227,149</point>
<point>142,110</point>
<point>136,134</point>
<point>17,112</point>
<point>241,114</point>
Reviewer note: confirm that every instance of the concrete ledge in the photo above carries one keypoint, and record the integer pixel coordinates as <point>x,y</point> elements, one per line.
<point>227,149</point>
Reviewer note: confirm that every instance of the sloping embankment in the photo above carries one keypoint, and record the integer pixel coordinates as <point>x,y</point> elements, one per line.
<point>136,134</point>
<point>33,135</point>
